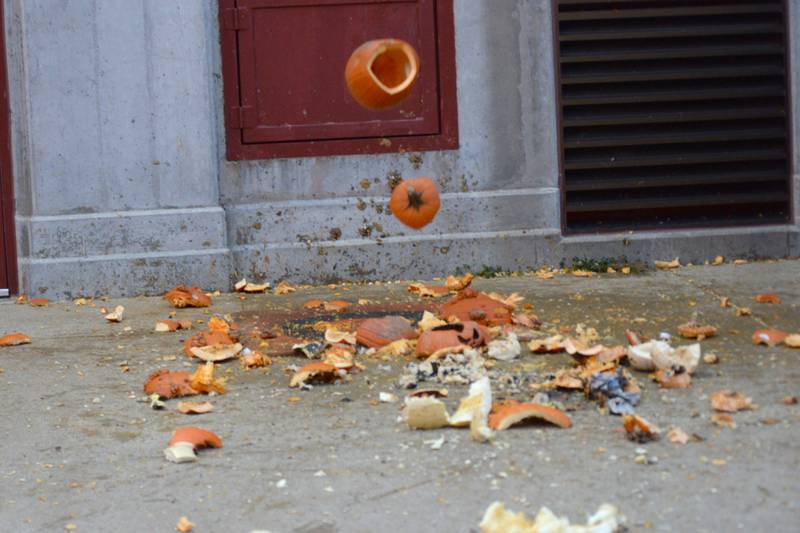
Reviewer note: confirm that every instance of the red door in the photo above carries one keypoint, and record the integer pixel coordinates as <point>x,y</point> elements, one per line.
<point>8,256</point>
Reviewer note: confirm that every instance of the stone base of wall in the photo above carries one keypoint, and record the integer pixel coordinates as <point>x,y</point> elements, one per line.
<point>125,253</point>
<point>148,252</point>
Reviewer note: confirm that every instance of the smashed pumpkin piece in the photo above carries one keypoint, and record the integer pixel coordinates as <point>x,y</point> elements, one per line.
<point>638,429</point>
<point>184,525</point>
<point>378,332</point>
<point>186,440</point>
<point>792,341</point>
<point>450,336</point>
<point>693,330</point>
<point>314,373</point>
<point>770,337</point>
<point>479,307</point>
<point>566,380</point>
<point>677,436</point>
<point>313,304</point>
<point>553,344</point>
<point>497,519</point>
<point>666,265</point>
<point>723,420</point>
<point>669,379</point>
<point>39,302</point>
<point>249,359</point>
<point>197,437</point>
<point>14,339</point>
<point>183,296</point>
<point>284,288</point>
<point>206,338</point>
<point>728,401</point>
<point>244,286</point>
<point>116,315</point>
<point>429,321</point>
<point>195,408</point>
<point>428,291</point>
<point>767,298</point>
<point>217,324</point>
<point>164,326</point>
<point>217,352</point>
<point>169,384</point>
<point>203,380</point>
<point>333,336</point>
<point>459,283</point>
<point>473,411</point>
<point>425,413</point>
<point>335,306</point>
<point>506,414</point>
<point>340,356</point>
<point>400,348</point>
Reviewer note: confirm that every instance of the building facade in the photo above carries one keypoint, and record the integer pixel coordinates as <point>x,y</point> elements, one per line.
<point>135,169</point>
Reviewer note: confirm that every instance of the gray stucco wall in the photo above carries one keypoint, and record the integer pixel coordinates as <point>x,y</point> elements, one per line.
<point>122,184</point>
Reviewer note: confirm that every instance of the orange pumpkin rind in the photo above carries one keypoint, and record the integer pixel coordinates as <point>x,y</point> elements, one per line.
<point>506,414</point>
<point>14,339</point>
<point>183,296</point>
<point>314,373</point>
<point>769,337</point>
<point>169,384</point>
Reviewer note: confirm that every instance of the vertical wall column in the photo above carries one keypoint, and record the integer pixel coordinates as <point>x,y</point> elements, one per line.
<point>114,129</point>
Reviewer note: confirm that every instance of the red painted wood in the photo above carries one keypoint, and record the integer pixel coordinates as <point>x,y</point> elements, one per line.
<point>8,251</point>
<point>287,71</point>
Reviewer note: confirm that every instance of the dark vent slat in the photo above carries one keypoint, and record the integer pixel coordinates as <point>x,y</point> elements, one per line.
<point>674,113</point>
<point>684,201</point>
<point>676,156</point>
<point>666,31</point>
<point>670,52</point>
<point>595,116</point>
<point>678,11</point>
<point>624,93</point>
<point>624,138</point>
<point>674,180</point>
<point>670,72</point>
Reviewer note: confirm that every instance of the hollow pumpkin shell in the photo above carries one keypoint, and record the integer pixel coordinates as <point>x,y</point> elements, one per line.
<point>415,202</point>
<point>381,73</point>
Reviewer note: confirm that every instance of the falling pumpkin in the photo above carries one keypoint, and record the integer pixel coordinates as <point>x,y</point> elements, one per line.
<point>381,73</point>
<point>415,202</point>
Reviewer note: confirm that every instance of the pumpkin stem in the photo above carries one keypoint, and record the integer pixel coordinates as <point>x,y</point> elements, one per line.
<point>414,198</point>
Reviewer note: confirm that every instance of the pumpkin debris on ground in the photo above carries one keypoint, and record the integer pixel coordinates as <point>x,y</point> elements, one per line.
<point>14,339</point>
<point>184,296</point>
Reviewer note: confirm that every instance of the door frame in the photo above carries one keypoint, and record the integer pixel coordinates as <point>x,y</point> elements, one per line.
<point>8,238</point>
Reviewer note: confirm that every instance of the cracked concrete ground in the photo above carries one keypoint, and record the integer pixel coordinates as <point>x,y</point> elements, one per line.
<point>81,452</point>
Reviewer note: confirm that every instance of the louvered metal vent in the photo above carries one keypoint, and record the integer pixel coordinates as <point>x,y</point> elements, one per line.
<point>673,113</point>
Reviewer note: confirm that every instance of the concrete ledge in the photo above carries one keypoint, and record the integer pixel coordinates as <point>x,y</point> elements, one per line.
<point>357,218</point>
<point>394,258</point>
<point>123,253</point>
<point>125,274</point>
<point>425,256</point>
<point>124,232</point>
<point>690,245</point>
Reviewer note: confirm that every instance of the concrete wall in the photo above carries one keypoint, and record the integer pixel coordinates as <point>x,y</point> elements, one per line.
<point>122,185</point>
<point>115,133</point>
